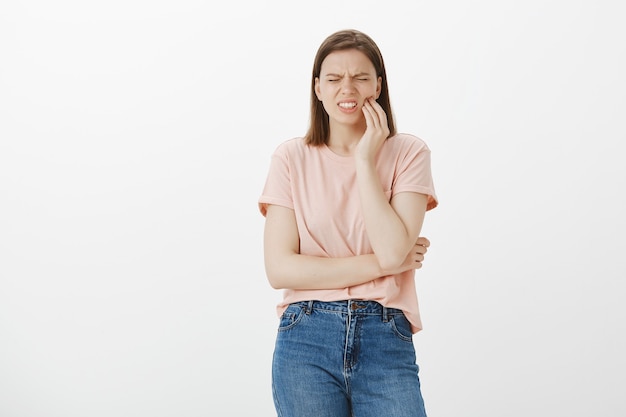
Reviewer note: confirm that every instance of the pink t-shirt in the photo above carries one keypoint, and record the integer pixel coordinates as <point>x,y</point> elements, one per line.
<point>320,186</point>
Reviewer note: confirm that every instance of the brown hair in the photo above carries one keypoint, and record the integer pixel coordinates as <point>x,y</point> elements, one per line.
<point>319,128</point>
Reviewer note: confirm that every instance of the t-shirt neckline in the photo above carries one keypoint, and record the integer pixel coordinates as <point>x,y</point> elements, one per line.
<point>344,159</point>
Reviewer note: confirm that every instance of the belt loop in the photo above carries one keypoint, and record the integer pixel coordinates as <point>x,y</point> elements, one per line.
<point>385,315</point>
<point>309,307</point>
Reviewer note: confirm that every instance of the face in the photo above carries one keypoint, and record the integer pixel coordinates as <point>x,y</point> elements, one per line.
<point>347,78</point>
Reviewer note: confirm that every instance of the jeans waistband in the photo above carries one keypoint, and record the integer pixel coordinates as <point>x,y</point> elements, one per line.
<point>360,307</point>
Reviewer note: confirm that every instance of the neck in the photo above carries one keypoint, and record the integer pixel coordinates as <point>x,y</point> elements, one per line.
<point>343,138</point>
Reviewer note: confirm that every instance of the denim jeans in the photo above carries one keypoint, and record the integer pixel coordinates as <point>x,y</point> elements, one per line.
<point>345,359</point>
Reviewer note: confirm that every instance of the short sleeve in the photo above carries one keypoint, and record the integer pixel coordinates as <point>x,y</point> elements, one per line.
<point>277,189</point>
<point>414,172</point>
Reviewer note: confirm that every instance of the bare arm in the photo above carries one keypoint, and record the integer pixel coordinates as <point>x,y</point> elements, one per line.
<point>287,268</point>
<point>392,227</point>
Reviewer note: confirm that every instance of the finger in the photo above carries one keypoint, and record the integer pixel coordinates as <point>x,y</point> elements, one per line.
<point>371,118</point>
<point>423,241</point>
<point>380,112</point>
<point>375,105</point>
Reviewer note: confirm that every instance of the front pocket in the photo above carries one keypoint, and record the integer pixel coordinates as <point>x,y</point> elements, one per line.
<point>401,327</point>
<point>290,317</point>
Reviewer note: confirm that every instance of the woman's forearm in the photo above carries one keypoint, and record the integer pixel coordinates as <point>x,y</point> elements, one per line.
<point>287,268</point>
<point>300,272</point>
<point>392,231</point>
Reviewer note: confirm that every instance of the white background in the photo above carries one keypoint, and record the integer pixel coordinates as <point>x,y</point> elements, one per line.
<point>135,137</point>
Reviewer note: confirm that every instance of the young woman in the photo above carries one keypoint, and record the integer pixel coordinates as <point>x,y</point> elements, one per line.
<point>343,207</point>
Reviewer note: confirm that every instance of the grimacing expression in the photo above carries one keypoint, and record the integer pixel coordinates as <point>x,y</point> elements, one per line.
<point>347,78</point>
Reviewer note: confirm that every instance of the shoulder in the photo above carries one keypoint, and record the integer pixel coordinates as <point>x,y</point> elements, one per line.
<point>406,142</point>
<point>296,149</point>
<point>290,147</point>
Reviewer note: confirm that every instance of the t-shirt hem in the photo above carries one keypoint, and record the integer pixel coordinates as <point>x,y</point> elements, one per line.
<point>432,198</point>
<point>266,201</point>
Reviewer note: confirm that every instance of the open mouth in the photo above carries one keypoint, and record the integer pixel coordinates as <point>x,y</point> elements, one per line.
<point>348,105</point>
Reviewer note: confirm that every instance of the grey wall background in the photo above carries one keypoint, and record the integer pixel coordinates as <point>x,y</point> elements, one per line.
<point>134,141</point>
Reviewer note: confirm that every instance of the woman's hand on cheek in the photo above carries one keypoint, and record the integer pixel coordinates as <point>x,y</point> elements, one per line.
<point>376,130</point>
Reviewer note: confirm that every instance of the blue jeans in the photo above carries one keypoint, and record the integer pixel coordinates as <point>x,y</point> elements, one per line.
<point>345,359</point>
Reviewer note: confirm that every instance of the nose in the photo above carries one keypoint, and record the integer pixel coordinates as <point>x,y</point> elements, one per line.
<point>347,85</point>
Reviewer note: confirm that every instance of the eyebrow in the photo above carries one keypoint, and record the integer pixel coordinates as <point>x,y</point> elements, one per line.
<point>360,74</point>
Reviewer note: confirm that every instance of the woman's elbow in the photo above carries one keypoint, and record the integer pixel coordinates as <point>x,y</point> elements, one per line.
<point>390,262</point>
<point>280,270</point>
<point>275,278</point>
<point>393,259</point>
<point>275,282</point>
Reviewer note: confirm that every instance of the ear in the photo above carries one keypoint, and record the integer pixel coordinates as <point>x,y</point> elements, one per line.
<point>318,93</point>
<point>379,84</point>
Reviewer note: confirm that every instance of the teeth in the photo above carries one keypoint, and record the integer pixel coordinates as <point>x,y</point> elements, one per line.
<point>347,105</point>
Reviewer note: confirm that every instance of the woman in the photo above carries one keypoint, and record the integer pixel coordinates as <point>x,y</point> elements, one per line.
<point>343,207</point>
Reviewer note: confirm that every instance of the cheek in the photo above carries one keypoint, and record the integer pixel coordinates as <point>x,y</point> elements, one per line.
<point>368,90</point>
<point>328,106</point>
<point>321,93</point>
